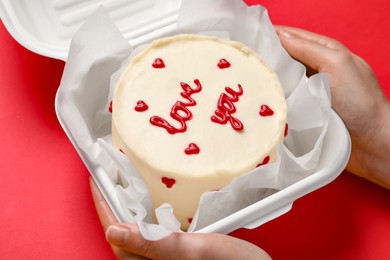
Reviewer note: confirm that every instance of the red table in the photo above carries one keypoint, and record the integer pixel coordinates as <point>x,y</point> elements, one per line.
<point>46,210</point>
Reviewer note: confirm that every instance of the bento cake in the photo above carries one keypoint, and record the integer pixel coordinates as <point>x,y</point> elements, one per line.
<point>194,112</point>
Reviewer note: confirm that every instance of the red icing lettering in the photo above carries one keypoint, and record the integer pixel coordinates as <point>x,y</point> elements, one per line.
<point>192,149</point>
<point>158,63</point>
<point>226,108</point>
<point>141,106</point>
<point>110,107</point>
<point>286,130</point>
<point>266,111</point>
<point>184,115</point>
<point>169,182</point>
<point>265,161</point>
<point>223,64</point>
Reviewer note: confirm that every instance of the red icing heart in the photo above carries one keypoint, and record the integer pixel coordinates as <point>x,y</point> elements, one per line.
<point>141,106</point>
<point>158,63</point>
<point>266,111</point>
<point>286,130</point>
<point>192,149</point>
<point>110,107</point>
<point>265,161</point>
<point>190,220</point>
<point>120,150</point>
<point>223,64</point>
<point>169,182</point>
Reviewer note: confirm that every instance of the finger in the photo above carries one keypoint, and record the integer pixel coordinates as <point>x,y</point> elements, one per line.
<point>183,245</point>
<point>316,51</point>
<point>311,36</point>
<point>104,211</point>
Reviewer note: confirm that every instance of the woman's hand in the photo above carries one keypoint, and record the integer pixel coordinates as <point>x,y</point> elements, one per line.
<point>127,242</point>
<point>356,97</point>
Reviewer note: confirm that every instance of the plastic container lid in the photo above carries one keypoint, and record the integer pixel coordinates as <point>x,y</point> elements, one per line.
<point>47,27</point>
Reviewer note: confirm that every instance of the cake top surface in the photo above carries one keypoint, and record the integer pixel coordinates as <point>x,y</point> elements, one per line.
<point>198,105</point>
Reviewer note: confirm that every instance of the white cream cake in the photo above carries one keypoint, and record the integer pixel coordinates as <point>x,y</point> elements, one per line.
<point>194,112</point>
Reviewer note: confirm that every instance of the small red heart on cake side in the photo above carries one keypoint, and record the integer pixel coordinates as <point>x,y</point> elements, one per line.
<point>158,63</point>
<point>265,161</point>
<point>192,149</point>
<point>110,107</point>
<point>169,182</point>
<point>223,64</point>
<point>141,106</point>
<point>286,130</point>
<point>266,110</point>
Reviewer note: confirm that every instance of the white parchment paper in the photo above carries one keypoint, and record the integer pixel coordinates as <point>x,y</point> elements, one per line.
<point>97,54</point>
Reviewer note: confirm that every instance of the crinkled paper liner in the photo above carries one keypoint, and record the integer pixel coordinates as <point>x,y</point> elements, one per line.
<point>98,50</point>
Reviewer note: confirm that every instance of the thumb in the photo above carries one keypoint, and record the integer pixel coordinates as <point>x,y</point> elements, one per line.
<point>128,238</point>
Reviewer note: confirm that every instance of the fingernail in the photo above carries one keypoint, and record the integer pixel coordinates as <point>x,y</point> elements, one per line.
<point>117,235</point>
<point>285,33</point>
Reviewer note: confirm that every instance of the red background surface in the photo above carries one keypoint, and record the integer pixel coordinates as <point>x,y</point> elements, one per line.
<point>46,210</point>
